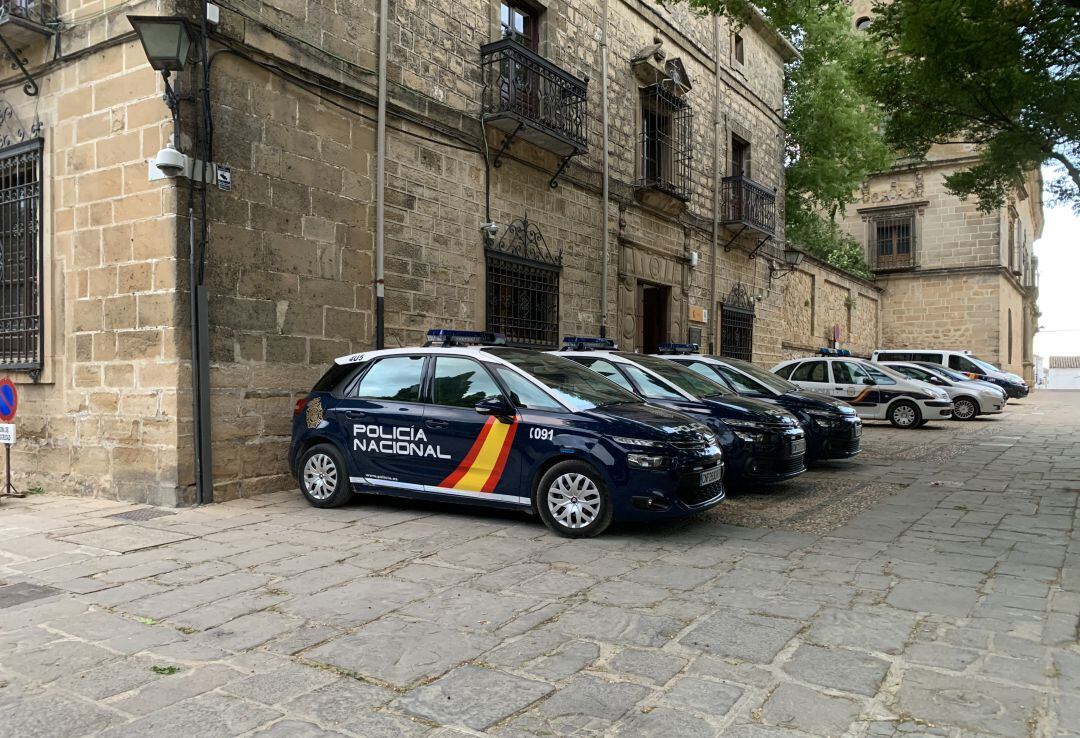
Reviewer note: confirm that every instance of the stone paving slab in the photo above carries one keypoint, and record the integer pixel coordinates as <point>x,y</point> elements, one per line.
<point>931,586</point>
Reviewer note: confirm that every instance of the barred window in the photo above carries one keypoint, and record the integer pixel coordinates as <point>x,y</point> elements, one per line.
<point>20,256</point>
<point>523,287</point>
<point>666,127</point>
<point>894,240</point>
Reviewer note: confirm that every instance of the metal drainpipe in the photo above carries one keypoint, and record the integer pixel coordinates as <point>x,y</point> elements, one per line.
<point>714,318</point>
<point>604,155</point>
<point>380,183</point>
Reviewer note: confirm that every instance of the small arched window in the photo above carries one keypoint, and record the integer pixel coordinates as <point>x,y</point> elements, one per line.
<point>863,24</point>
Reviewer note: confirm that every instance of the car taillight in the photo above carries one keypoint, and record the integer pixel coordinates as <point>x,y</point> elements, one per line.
<point>300,405</point>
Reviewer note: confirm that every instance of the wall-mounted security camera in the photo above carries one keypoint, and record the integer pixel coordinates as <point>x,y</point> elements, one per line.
<point>490,228</point>
<point>171,162</point>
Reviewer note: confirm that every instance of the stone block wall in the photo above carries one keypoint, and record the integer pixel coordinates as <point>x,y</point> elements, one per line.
<point>818,297</point>
<point>107,414</point>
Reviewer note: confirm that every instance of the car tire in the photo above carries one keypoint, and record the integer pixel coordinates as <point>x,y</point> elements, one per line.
<point>324,480</point>
<point>905,414</point>
<point>965,408</point>
<point>573,500</point>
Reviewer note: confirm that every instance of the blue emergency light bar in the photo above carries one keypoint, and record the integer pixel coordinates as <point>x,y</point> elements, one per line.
<point>678,348</point>
<point>587,343</point>
<point>833,352</point>
<point>445,337</point>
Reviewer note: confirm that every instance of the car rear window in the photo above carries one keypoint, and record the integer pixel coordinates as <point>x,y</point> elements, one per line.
<point>334,376</point>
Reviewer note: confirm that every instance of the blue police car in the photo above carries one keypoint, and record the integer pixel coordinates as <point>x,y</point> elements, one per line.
<point>761,442</point>
<point>833,428</point>
<point>468,419</point>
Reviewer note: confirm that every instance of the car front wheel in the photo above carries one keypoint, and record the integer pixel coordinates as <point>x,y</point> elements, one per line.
<point>905,414</point>
<point>964,408</point>
<point>573,501</point>
<point>323,477</point>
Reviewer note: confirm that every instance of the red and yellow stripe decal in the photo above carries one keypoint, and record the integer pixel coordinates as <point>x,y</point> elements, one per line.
<point>482,467</point>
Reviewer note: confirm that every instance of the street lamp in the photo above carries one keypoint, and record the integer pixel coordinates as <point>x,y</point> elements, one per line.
<point>166,40</point>
<point>792,258</point>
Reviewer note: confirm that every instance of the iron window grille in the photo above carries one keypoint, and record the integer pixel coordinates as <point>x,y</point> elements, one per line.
<point>42,12</point>
<point>745,201</point>
<point>21,256</point>
<point>667,122</point>
<point>523,287</point>
<point>894,241</point>
<point>737,325</point>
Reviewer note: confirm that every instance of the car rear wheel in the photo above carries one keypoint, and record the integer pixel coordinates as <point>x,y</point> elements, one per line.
<point>323,477</point>
<point>573,501</point>
<point>905,414</point>
<point>965,408</point>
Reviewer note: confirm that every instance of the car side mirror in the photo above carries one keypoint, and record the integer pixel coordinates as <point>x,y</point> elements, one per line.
<point>497,406</point>
<point>867,380</point>
<point>938,381</point>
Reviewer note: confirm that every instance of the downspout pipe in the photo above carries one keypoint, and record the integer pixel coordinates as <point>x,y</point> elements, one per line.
<point>380,183</point>
<point>606,173</point>
<point>714,318</point>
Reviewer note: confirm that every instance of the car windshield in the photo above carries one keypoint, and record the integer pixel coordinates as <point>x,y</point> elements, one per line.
<point>685,379</point>
<point>986,366</point>
<point>882,369</point>
<point>576,387</point>
<point>770,380</point>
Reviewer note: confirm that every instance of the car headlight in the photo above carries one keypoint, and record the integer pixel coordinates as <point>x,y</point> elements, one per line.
<point>751,437</point>
<point>825,418</point>
<point>637,442</point>
<point>646,461</point>
<point>750,431</point>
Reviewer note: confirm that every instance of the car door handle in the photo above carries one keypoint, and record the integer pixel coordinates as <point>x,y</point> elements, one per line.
<point>355,414</point>
<point>437,424</point>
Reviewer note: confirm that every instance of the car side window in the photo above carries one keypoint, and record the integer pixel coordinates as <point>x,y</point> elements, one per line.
<point>932,358</point>
<point>785,371</point>
<point>523,393</point>
<point>877,376</point>
<point>393,378</point>
<point>960,364</point>
<point>650,387</point>
<point>709,371</point>
<point>742,384</point>
<point>607,369</point>
<point>460,382</point>
<point>810,371</point>
<point>854,372</point>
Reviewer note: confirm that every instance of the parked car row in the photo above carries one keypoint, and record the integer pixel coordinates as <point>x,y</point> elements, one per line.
<point>589,434</point>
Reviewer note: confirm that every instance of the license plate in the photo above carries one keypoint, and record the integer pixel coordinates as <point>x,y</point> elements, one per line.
<point>798,446</point>
<point>712,475</point>
<point>858,430</point>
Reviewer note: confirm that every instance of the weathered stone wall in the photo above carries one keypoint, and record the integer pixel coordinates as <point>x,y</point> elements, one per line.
<point>818,297</point>
<point>108,414</point>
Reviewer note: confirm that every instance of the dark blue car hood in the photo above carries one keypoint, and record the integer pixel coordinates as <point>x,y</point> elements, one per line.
<point>810,401</point>
<point>639,418</point>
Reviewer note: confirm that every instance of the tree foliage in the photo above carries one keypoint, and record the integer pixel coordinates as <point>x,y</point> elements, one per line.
<point>1001,75</point>
<point>833,139</point>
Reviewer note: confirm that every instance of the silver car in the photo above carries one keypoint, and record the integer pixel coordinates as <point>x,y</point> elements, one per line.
<point>970,399</point>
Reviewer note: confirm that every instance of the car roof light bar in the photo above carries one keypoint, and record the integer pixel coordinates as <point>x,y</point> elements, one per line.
<point>445,337</point>
<point>678,348</point>
<point>587,343</point>
<point>833,352</point>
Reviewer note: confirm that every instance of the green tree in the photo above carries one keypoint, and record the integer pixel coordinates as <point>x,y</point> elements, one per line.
<point>833,139</point>
<point>1001,75</point>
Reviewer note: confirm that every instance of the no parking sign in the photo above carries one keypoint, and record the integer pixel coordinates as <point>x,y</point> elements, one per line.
<point>9,403</point>
<point>9,400</point>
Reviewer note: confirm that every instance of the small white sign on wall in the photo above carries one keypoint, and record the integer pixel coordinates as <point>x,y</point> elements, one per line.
<point>7,433</point>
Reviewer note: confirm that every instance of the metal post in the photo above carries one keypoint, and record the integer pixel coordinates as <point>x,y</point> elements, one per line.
<point>604,157</point>
<point>713,317</point>
<point>380,183</point>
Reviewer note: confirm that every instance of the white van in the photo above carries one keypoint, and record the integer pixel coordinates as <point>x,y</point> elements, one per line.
<point>960,361</point>
<point>875,391</point>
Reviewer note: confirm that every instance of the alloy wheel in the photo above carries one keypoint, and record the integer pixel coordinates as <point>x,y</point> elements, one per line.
<point>964,409</point>
<point>320,476</point>
<point>904,415</point>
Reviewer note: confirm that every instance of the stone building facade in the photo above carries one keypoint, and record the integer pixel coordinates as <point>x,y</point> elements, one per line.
<point>696,177</point>
<point>953,276</point>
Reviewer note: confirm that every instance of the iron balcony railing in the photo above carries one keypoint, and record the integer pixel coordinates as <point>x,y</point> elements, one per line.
<point>525,92</point>
<point>747,203</point>
<point>899,260</point>
<point>41,12</point>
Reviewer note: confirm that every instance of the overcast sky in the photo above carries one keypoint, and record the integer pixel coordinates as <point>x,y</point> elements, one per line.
<point>1059,284</point>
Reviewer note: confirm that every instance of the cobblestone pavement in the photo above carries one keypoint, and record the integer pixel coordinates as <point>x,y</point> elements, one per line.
<point>931,586</point>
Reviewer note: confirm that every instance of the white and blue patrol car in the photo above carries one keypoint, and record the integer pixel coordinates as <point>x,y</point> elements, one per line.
<point>466,418</point>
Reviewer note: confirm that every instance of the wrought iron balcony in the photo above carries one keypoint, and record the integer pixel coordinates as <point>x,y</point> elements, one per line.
<point>892,261</point>
<point>25,21</point>
<point>749,204</point>
<point>527,96</point>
